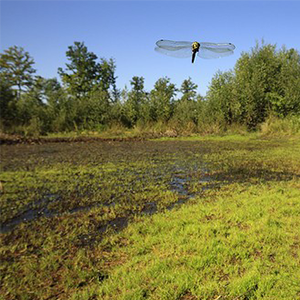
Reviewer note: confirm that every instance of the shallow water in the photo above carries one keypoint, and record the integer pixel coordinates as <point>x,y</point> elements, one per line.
<point>39,208</point>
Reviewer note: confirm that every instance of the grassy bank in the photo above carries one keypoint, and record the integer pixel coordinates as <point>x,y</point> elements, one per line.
<point>189,218</point>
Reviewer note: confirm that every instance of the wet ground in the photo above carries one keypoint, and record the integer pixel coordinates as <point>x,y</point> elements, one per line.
<point>62,203</point>
<point>117,179</point>
<point>53,179</point>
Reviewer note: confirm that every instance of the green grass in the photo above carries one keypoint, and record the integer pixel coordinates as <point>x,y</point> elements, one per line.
<point>239,244</point>
<point>235,237</point>
<point>225,137</point>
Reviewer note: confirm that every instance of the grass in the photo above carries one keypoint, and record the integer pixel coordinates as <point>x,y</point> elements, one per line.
<point>278,127</point>
<point>235,245</point>
<point>189,218</point>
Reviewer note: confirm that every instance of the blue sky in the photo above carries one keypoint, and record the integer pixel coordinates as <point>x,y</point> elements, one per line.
<point>127,31</point>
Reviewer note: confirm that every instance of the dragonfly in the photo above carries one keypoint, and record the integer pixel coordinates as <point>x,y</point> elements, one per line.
<point>184,49</point>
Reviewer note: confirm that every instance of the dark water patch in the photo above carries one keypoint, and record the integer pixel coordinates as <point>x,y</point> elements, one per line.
<point>206,180</point>
<point>182,176</point>
<point>26,216</point>
<point>116,225</point>
<point>82,208</point>
<point>33,211</point>
<point>149,208</point>
<point>32,214</point>
<point>89,207</point>
<point>178,184</point>
<point>243,175</point>
<point>178,203</point>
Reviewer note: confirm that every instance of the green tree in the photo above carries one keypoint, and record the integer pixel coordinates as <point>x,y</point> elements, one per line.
<point>94,111</point>
<point>51,96</point>
<point>82,73</point>
<point>264,81</point>
<point>90,83</point>
<point>136,98</point>
<point>121,109</point>
<point>16,68</point>
<point>185,110</point>
<point>287,100</point>
<point>223,105</point>
<point>162,99</point>
<point>188,90</point>
<point>108,79</point>
<point>7,105</point>
<point>32,109</point>
<point>256,75</point>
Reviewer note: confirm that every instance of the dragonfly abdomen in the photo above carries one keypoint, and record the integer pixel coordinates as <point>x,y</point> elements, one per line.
<point>195,49</point>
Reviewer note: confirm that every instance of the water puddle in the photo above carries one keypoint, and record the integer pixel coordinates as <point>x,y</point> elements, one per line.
<point>179,185</point>
<point>32,212</point>
<point>182,178</point>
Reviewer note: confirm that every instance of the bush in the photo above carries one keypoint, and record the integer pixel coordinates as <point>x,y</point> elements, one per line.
<point>265,81</point>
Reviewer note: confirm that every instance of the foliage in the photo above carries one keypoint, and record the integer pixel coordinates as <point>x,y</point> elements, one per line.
<point>265,82</point>
<point>136,98</point>
<point>281,126</point>
<point>7,105</point>
<point>185,110</point>
<point>188,90</point>
<point>16,68</point>
<point>162,100</point>
<point>82,73</point>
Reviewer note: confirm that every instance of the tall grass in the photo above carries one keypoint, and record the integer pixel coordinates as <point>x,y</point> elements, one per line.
<point>276,126</point>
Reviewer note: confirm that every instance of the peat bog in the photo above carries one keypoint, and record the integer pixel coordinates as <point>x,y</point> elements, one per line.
<point>63,205</point>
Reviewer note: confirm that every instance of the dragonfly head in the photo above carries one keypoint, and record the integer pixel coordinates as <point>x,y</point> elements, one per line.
<point>195,46</point>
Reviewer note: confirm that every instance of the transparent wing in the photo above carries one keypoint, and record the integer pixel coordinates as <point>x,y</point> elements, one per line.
<point>179,52</point>
<point>179,49</point>
<point>173,45</point>
<point>213,50</point>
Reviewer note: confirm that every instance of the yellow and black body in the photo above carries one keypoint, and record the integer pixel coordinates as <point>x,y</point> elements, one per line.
<point>195,49</point>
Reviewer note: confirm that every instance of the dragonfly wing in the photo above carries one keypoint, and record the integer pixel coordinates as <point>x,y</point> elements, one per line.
<point>167,44</point>
<point>174,48</point>
<point>213,50</point>
<point>179,52</point>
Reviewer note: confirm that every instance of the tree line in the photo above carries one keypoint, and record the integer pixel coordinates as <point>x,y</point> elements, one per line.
<point>265,81</point>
